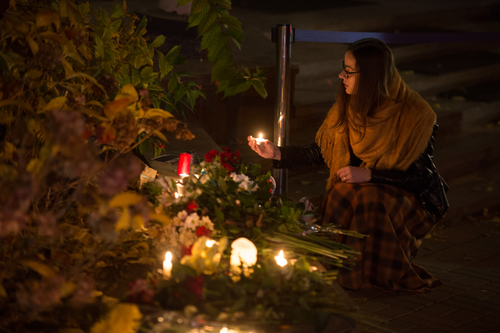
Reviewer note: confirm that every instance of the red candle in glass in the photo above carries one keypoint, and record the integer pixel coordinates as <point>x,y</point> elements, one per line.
<point>184,164</point>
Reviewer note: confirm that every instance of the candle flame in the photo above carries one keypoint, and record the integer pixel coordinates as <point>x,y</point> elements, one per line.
<point>280,259</point>
<point>168,256</point>
<point>260,135</point>
<point>210,243</point>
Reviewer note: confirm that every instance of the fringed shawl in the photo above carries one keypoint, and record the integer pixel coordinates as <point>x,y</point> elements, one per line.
<point>395,136</point>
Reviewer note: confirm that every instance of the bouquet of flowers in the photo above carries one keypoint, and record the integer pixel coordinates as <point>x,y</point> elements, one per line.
<point>225,202</point>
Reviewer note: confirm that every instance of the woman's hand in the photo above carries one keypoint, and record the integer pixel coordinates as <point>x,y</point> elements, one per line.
<point>267,149</point>
<point>352,174</point>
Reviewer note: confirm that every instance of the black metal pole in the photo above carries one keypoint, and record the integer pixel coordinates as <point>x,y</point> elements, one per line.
<point>283,37</point>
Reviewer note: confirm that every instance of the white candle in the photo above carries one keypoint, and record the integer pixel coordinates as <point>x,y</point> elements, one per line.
<point>243,253</point>
<point>167,265</point>
<point>260,140</point>
<point>280,259</point>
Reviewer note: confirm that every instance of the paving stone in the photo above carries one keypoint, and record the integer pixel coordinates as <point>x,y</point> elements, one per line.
<point>495,299</point>
<point>372,306</point>
<point>439,309</point>
<point>451,276</point>
<point>479,294</point>
<point>422,329</point>
<point>393,311</point>
<point>480,274</point>
<point>466,328</point>
<point>397,325</point>
<point>484,325</point>
<point>485,243</point>
<point>463,254</point>
<point>491,287</point>
<point>403,304</point>
<point>463,316</point>
<point>486,305</point>
<point>360,328</point>
<point>471,281</point>
<point>449,289</point>
<point>415,298</point>
<point>437,295</point>
<point>435,319</point>
<point>445,264</point>
<point>465,305</point>
<point>369,293</point>
<point>420,320</point>
<point>458,286</point>
<point>491,319</point>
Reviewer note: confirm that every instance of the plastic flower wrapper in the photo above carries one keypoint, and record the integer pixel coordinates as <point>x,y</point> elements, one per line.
<point>205,255</point>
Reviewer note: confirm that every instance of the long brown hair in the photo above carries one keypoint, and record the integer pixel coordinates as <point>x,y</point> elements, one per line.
<point>375,63</point>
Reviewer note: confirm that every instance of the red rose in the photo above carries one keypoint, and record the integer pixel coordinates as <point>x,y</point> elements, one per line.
<point>191,206</point>
<point>186,251</point>
<point>209,156</point>
<point>202,231</point>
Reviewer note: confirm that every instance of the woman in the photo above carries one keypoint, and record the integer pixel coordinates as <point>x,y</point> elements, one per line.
<point>378,141</point>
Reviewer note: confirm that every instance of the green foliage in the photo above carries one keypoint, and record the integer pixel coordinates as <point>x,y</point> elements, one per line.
<point>219,33</point>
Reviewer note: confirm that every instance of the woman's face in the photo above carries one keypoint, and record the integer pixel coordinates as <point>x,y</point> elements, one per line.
<point>350,73</point>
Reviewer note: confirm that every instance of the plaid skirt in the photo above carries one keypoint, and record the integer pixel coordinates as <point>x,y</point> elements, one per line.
<point>394,223</point>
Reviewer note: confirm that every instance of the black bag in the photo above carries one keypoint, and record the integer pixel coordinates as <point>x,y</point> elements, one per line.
<point>433,198</point>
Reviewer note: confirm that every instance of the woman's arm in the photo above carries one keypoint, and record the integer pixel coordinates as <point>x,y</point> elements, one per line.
<point>296,156</point>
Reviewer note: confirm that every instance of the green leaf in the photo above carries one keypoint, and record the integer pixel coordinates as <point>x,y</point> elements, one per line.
<point>173,54</point>
<point>195,19</point>
<point>146,71</point>
<point>191,97</point>
<point>99,48</point>
<point>198,5</point>
<point>236,36</point>
<point>117,11</point>
<point>226,4</point>
<point>143,147</point>
<point>181,91</point>
<point>154,100</point>
<point>3,63</point>
<point>222,69</point>
<point>158,41</point>
<point>165,67</point>
<point>259,87</point>
<point>135,77</point>
<point>210,37</point>
<point>182,2</point>
<point>141,28</point>
<point>218,49</point>
<point>231,21</point>
<point>219,215</point>
<point>207,22</point>
<point>232,229</point>
<point>172,83</point>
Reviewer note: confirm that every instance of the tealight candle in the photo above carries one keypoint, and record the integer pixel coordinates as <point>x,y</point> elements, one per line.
<point>243,252</point>
<point>280,259</point>
<point>260,140</point>
<point>167,265</point>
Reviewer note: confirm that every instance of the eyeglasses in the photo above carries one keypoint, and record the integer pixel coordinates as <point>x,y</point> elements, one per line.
<point>347,73</point>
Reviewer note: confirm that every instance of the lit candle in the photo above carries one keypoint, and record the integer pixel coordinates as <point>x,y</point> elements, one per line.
<point>243,252</point>
<point>260,140</point>
<point>180,190</point>
<point>210,243</point>
<point>167,265</point>
<point>184,164</point>
<point>280,259</point>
